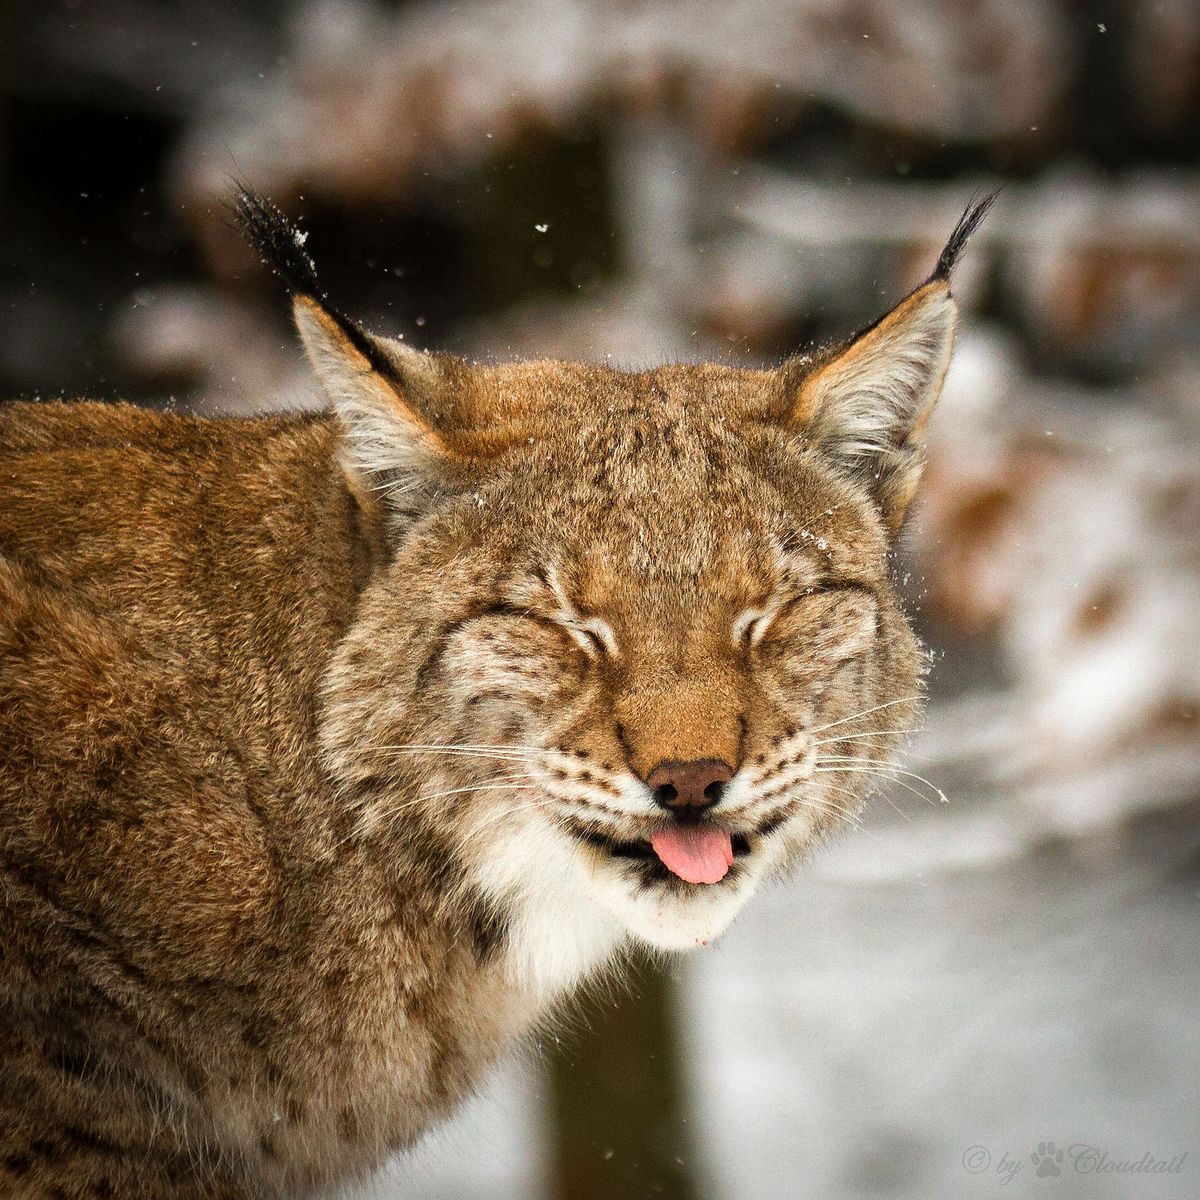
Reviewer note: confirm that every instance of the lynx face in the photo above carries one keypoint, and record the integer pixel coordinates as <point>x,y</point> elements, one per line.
<point>636,646</point>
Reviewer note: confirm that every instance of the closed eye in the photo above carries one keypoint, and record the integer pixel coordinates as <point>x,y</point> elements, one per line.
<point>594,636</point>
<point>753,624</point>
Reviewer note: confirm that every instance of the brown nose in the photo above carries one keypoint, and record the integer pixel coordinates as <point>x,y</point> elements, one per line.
<point>683,787</point>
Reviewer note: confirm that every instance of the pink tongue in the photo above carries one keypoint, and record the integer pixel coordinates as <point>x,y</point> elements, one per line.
<point>699,853</point>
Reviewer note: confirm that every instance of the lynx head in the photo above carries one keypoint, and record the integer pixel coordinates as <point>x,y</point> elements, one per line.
<point>635,645</point>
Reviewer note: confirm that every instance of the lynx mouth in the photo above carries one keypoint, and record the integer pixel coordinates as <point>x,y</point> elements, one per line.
<point>660,863</point>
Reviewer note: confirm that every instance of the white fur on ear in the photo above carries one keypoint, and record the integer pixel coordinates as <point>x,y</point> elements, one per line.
<point>865,406</point>
<point>382,390</point>
<point>374,385</point>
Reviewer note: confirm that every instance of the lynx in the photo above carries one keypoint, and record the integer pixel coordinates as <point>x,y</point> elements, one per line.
<point>338,750</point>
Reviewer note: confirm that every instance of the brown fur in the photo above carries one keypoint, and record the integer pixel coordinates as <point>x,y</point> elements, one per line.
<point>269,903</point>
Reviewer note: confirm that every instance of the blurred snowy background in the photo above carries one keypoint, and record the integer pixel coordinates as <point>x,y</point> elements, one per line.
<point>953,985</point>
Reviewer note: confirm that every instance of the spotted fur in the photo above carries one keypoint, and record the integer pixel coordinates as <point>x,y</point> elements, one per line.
<point>325,739</point>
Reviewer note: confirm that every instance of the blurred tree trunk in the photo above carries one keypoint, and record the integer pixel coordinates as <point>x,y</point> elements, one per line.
<point>619,1124</point>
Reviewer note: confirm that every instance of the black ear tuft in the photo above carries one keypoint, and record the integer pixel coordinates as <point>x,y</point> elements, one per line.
<point>279,243</point>
<point>281,246</point>
<point>970,221</point>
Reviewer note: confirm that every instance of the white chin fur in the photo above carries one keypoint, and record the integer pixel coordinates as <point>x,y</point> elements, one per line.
<point>570,908</point>
<point>558,935</point>
<point>675,917</point>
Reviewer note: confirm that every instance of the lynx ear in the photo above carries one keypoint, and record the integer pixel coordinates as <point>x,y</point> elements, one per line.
<point>382,390</point>
<point>864,405</point>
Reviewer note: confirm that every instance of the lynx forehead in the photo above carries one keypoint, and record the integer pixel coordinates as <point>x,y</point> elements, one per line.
<point>336,748</point>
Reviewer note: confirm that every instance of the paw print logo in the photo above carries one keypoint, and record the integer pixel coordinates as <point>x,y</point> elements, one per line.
<point>1048,1160</point>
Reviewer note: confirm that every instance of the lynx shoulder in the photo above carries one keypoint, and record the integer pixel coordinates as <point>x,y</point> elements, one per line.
<point>336,750</point>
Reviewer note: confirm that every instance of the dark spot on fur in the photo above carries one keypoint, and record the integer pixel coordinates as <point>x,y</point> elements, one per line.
<point>428,668</point>
<point>106,777</point>
<point>365,788</point>
<point>417,1004</point>
<point>85,1139</point>
<point>334,979</point>
<point>177,1171</point>
<point>770,824</point>
<point>253,1035</point>
<point>347,1125</point>
<point>488,930</point>
<point>71,1060</point>
<point>626,748</point>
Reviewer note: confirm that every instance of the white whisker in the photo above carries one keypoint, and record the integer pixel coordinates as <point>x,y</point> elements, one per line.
<point>509,783</point>
<point>506,781</point>
<point>866,712</point>
<point>824,804</point>
<point>899,811</point>
<point>466,757</point>
<point>847,737</point>
<point>904,755</point>
<point>433,748</point>
<point>854,818</point>
<point>885,769</point>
